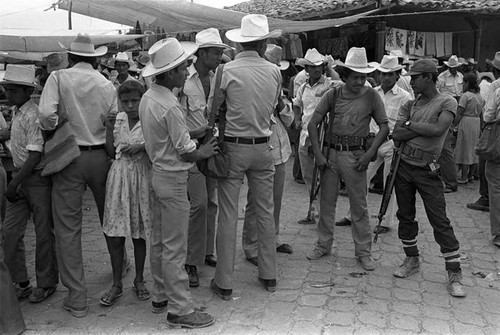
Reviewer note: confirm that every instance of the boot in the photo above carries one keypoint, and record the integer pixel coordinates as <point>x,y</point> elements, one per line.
<point>455,286</point>
<point>410,266</point>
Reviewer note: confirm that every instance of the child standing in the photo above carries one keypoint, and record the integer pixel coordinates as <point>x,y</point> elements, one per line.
<point>127,210</point>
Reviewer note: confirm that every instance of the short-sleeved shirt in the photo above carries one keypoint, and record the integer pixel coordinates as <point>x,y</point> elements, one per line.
<point>428,113</point>
<point>26,134</point>
<point>450,84</point>
<point>393,100</point>
<point>117,84</point>
<point>251,87</point>
<point>472,103</point>
<point>308,98</point>
<point>353,115</point>
<point>165,131</point>
<point>492,108</point>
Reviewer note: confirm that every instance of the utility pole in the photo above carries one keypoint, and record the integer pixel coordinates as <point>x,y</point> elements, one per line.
<point>70,26</point>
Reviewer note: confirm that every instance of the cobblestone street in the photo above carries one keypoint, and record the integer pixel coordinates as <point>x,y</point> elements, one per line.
<point>332,295</point>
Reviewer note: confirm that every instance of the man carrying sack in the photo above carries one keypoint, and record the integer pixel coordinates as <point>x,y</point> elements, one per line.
<point>82,98</point>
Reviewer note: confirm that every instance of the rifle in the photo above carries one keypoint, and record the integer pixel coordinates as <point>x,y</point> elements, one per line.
<point>389,186</point>
<point>317,172</point>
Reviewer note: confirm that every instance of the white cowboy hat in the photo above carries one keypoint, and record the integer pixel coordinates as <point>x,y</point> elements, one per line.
<point>495,62</point>
<point>273,54</point>
<point>167,54</point>
<point>396,52</point>
<point>254,27</point>
<point>210,38</point>
<point>19,75</point>
<point>453,62</point>
<point>82,46</point>
<point>471,61</point>
<point>489,75</point>
<point>312,58</point>
<point>356,61</point>
<point>121,57</point>
<point>388,64</point>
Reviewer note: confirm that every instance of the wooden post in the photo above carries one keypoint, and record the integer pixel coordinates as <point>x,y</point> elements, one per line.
<point>70,26</point>
<point>380,39</point>
<point>478,34</point>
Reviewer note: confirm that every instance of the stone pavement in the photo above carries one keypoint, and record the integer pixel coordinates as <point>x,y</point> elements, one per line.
<point>332,295</point>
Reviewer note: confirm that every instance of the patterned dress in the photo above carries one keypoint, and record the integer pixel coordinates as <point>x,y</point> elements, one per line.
<point>468,128</point>
<point>128,211</point>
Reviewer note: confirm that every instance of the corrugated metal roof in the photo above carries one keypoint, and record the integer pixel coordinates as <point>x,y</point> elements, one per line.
<point>300,9</point>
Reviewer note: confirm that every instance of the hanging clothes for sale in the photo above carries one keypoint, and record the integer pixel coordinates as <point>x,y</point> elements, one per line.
<point>430,44</point>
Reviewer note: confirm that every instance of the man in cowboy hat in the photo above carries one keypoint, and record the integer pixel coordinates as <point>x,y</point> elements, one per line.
<point>28,192</point>
<point>201,189</point>
<point>450,82</point>
<point>393,97</point>
<point>282,117</point>
<point>492,168</point>
<point>84,98</point>
<point>422,127</point>
<point>172,153</point>
<point>355,106</point>
<point>403,82</point>
<point>251,87</point>
<point>122,64</point>
<point>304,103</point>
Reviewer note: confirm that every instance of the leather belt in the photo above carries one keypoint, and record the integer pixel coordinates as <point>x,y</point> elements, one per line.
<point>419,154</point>
<point>340,147</point>
<point>91,147</point>
<point>245,140</point>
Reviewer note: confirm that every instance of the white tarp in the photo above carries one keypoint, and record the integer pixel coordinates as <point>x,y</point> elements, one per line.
<point>183,16</point>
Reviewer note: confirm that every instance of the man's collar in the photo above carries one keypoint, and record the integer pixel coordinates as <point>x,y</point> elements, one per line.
<point>321,80</point>
<point>394,89</point>
<point>247,53</point>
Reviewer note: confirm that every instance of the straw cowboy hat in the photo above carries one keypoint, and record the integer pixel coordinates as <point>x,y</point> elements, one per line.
<point>356,61</point>
<point>254,27</point>
<point>471,61</point>
<point>312,58</point>
<point>397,53</point>
<point>388,64</point>
<point>453,62</point>
<point>273,54</point>
<point>210,38</point>
<point>82,46</point>
<point>121,57</point>
<point>167,54</point>
<point>56,61</point>
<point>488,75</point>
<point>19,75</point>
<point>142,59</point>
<point>495,62</point>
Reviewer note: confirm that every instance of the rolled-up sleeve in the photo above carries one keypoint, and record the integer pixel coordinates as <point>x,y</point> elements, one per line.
<point>492,105</point>
<point>49,103</point>
<point>178,131</point>
<point>34,138</point>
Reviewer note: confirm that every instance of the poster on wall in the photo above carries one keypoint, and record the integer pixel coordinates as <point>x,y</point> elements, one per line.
<point>390,38</point>
<point>412,36</point>
<point>420,43</point>
<point>401,39</point>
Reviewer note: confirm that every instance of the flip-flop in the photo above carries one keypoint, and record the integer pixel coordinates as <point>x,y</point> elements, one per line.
<point>110,297</point>
<point>140,290</point>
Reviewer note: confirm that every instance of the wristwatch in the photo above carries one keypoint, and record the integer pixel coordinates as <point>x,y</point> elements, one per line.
<point>407,124</point>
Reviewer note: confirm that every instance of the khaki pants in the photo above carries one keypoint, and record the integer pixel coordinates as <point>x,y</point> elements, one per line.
<point>169,241</point>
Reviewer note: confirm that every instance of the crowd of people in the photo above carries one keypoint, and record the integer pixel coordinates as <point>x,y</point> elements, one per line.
<point>137,139</point>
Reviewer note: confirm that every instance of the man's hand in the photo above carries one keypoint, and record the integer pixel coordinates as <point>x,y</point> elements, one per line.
<point>364,160</point>
<point>11,193</point>
<point>110,121</point>
<point>321,161</point>
<point>208,149</point>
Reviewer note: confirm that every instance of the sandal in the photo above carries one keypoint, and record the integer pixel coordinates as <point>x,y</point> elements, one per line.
<point>110,297</point>
<point>140,290</point>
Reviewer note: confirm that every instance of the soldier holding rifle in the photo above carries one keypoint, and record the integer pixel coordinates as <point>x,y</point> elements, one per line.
<point>422,126</point>
<point>352,106</point>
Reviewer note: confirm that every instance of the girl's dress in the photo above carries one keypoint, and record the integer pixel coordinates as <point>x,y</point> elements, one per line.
<point>128,211</point>
<point>468,128</point>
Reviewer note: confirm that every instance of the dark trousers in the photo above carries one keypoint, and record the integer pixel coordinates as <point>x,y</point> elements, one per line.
<point>483,183</point>
<point>35,193</point>
<point>448,168</point>
<point>295,138</point>
<point>409,180</point>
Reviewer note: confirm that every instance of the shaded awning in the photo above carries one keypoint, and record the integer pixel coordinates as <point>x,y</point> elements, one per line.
<point>48,42</point>
<point>175,16</point>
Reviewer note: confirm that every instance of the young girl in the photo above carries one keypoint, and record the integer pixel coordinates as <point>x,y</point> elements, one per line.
<point>127,210</point>
<point>467,121</point>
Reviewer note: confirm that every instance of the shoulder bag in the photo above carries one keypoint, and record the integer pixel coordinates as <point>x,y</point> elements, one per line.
<point>216,166</point>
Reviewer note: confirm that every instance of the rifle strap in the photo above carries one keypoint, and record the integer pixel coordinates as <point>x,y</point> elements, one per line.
<point>329,135</point>
<point>216,104</point>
